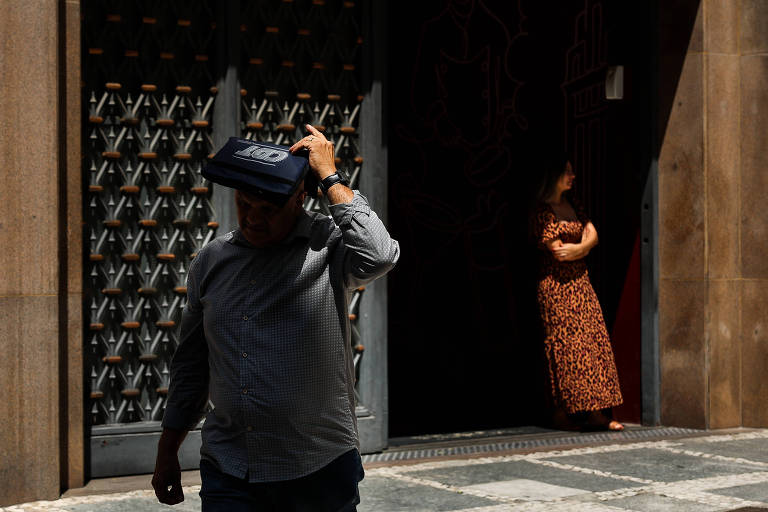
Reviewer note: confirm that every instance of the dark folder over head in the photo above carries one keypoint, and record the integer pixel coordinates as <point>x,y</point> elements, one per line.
<point>261,168</point>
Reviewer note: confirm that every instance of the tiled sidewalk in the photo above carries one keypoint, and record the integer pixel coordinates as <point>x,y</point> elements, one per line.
<point>721,472</point>
<point>707,474</point>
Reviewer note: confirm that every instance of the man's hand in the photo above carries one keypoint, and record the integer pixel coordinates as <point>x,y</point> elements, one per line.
<point>323,163</point>
<point>321,157</point>
<point>167,478</point>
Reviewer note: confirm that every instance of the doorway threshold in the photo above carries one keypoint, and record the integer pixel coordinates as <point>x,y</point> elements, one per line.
<point>515,440</point>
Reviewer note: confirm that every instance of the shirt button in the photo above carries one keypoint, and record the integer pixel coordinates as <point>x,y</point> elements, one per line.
<point>253,281</point>
<point>245,354</point>
<point>245,317</point>
<point>249,428</point>
<point>245,391</point>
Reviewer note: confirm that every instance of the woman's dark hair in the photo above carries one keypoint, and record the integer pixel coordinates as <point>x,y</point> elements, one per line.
<point>551,168</point>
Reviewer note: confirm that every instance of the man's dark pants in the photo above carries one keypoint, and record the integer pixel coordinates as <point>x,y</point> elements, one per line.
<point>333,488</point>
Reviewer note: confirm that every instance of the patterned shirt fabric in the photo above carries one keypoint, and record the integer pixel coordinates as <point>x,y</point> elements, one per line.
<point>265,333</point>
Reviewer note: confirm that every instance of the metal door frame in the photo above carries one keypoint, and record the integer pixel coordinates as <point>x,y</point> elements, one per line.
<point>650,358</point>
<point>131,448</point>
<point>372,413</point>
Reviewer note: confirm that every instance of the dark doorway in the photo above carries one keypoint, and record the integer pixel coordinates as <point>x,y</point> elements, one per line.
<point>474,89</point>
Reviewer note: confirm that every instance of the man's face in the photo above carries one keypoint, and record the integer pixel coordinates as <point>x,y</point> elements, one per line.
<point>263,223</point>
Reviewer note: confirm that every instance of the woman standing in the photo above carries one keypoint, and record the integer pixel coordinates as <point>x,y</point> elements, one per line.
<point>581,364</point>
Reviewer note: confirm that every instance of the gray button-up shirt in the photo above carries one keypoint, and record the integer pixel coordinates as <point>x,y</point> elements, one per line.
<point>266,333</point>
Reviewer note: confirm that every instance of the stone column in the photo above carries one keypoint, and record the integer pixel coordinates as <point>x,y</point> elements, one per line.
<point>71,292</point>
<point>682,218</point>
<point>723,208</point>
<point>29,259</point>
<point>41,371</point>
<point>713,289</point>
<point>753,225</point>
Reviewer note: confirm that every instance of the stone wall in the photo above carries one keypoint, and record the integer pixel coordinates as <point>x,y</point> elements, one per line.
<point>71,292</point>
<point>713,231</point>
<point>39,263</point>
<point>29,236</point>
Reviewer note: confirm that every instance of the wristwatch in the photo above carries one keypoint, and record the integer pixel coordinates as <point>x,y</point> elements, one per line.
<point>331,180</point>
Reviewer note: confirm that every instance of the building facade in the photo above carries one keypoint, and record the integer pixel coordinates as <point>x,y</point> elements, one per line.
<point>108,110</point>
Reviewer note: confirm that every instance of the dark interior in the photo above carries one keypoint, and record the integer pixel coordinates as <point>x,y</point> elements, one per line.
<point>479,95</point>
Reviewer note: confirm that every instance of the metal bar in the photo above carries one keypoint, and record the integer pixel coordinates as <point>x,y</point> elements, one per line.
<point>64,241</point>
<point>226,111</point>
<point>133,454</point>
<point>374,431</point>
<point>649,250</point>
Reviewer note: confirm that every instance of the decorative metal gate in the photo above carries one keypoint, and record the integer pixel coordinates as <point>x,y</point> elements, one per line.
<point>165,83</point>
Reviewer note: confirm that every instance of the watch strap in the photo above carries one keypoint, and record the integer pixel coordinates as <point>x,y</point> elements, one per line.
<point>332,180</point>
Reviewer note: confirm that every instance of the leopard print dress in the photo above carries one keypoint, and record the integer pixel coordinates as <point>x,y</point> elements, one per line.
<point>582,369</point>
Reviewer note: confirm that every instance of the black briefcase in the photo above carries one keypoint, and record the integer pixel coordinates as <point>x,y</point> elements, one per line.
<point>264,169</point>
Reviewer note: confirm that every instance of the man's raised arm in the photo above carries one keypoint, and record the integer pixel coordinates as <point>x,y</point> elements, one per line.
<point>369,250</point>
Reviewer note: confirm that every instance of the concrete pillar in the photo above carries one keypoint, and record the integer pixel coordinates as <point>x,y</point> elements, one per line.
<point>723,209</point>
<point>40,236</point>
<point>753,225</point>
<point>713,289</point>
<point>71,292</point>
<point>682,217</point>
<point>29,237</point>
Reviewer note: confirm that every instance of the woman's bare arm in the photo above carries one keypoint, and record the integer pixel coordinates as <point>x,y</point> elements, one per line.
<point>588,238</point>
<point>573,252</point>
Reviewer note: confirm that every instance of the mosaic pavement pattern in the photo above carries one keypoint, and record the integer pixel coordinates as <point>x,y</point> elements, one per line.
<point>703,474</point>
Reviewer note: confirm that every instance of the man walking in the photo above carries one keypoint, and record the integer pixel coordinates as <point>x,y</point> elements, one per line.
<point>265,332</point>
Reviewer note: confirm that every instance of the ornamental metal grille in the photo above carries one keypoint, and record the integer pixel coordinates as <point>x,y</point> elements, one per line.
<point>299,65</point>
<point>150,88</point>
<point>149,93</point>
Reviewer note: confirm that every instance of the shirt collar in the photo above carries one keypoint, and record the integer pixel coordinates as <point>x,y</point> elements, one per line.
<point>302,229</point>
